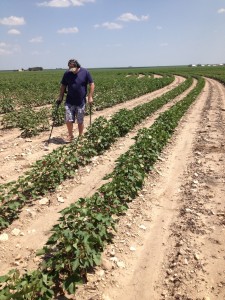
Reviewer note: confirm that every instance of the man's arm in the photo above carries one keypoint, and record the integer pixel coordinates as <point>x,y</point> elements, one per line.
<point>91,92</point>
<point>61,93</point>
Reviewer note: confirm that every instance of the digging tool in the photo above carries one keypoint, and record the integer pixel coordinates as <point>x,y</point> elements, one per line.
<point>53,121</point>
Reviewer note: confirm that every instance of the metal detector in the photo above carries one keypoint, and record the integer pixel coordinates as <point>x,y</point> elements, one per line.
<point>53,121</point>
<point>90,104</point>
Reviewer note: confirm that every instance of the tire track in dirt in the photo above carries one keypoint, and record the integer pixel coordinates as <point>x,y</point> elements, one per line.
<point>36,221</point>
<point>196,263</point>
<point>158,251</point>
<point>18,154</point>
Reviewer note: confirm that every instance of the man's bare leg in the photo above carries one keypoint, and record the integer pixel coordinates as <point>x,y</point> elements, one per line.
<point>81,128</point>
<point>70,129</point>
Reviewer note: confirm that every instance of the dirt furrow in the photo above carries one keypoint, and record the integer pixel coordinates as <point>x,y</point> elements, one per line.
<point>196,263</point>
<point>35,221</point>
<point>170,244</point>
<point>18,154</point>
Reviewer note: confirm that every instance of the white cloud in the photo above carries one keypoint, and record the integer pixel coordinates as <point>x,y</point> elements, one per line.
<point>64,3</point>
<point>109,25</point>
<point>38,53</point>
<point>112,25</point>
<point>81,2</point>
<point>68,30</point>
<point>2,44</point>
<point>14,32</point>
<point>4,51</point>
<point>37,39</point>
<point>35,53</point>
<point>127,17</point>
<point>164,44</point>
<point>221,11</point>
<point>159,27</point>
<point>114,45</point>
<point>12,21</point>
<point>8,49</point>
<point>55,3</point>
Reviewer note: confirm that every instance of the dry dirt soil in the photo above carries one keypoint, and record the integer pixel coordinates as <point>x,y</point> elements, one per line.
<point>171,242</point>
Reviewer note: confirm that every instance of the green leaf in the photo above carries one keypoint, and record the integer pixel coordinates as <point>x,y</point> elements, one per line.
<point>40,252</point>
<point>45,278</point>
<point>3,278</point>
<point>97,258</point>
<point>68,248</point>
<point>75,264</point>
<point>70,284</point>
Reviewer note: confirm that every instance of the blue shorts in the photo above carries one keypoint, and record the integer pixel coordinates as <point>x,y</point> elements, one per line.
<point>74,112</point>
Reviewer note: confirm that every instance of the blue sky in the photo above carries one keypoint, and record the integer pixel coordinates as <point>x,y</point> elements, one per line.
<point>111,33</point>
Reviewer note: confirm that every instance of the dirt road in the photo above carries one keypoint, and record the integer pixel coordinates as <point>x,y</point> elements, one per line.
<point>170,244</point>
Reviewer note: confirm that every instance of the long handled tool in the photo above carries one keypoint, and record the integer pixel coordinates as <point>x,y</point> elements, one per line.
<point>90,104</point>
<point>53,122</point>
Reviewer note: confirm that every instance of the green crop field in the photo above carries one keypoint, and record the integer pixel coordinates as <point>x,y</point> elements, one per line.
<point>85,227</point>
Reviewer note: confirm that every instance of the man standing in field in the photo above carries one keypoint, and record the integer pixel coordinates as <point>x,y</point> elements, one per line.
<point>76,81</point>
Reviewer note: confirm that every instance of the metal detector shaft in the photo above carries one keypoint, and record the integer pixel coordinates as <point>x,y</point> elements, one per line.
<point>57,107</point>
<point>90,112</point>
<point>50,133</point>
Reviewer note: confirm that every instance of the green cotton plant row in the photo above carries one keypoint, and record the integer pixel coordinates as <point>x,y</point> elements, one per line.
<point>220,78</point>
<point>32,122</point>
<point>41,88</point>
<point>47,173</point>
<point>119,90</point>
<point>29,121</point>
<point>88,225</point>
<point>108,93</point>
<point>34,89</point>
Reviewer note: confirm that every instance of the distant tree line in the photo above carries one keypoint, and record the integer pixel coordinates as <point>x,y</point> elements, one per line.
<point>35,69</point>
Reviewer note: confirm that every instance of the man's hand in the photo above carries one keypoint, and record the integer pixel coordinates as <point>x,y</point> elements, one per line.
<point>90,100</point>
